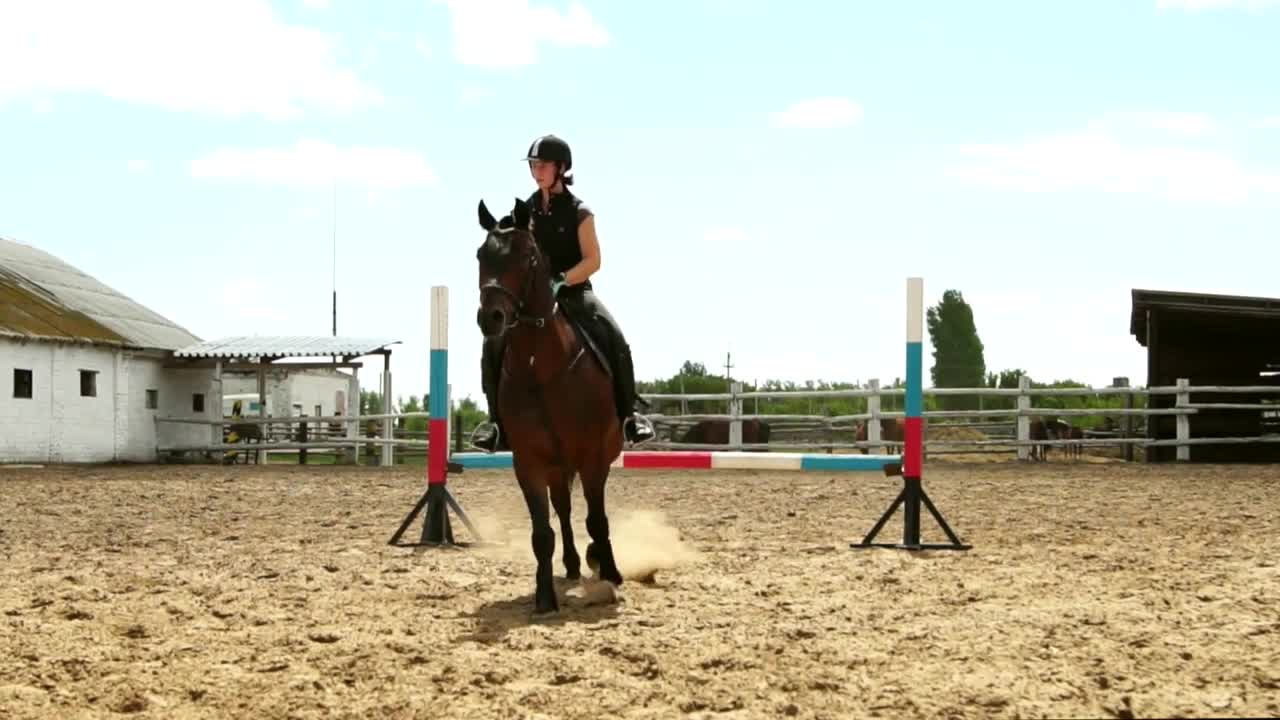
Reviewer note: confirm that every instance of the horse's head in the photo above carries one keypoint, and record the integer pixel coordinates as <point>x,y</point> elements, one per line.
<point>515,285</point>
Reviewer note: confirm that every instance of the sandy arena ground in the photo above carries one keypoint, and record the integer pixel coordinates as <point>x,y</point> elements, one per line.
<point>1093,590</point>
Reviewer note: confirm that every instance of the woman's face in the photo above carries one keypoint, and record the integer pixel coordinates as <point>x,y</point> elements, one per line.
<point>544,173</point>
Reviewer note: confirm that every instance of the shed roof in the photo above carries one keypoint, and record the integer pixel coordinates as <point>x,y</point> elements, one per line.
<point>44,298</point>
<point>1242,306</point>
<point>285,346</point>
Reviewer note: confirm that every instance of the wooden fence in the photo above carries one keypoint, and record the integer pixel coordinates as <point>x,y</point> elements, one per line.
<point>1005,430</point>
<point>1129,432</point>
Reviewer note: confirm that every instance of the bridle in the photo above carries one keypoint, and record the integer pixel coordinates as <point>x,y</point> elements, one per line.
<point>521,317</point>
<point>524,318</point>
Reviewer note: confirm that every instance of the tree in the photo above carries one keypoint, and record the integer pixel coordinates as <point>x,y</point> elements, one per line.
<point>957,350</point>
<point>370,402</point>
<point>1005,379</point>
<point>693,369</point>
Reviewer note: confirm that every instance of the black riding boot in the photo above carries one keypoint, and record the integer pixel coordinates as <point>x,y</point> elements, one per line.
<point>491,437</point>
<point>634,427</point>
<point>604,329</point>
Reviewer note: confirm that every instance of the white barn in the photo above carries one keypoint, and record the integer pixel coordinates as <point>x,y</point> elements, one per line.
<point>83,368</point>
<point>310,391</point>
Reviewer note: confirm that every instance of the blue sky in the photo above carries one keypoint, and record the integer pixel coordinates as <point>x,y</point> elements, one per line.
<point>765,174</point>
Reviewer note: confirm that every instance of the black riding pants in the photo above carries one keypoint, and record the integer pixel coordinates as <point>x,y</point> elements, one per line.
<point>584,306</point>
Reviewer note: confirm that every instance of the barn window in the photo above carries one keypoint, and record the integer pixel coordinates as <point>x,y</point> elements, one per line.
<point>197,402</point>
<point>88,383</point>
<point>153,399</point>
<point>22,384</point>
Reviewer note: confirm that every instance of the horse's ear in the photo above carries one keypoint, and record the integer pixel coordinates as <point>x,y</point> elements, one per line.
<point>521,214</point>
<point>486,218</point>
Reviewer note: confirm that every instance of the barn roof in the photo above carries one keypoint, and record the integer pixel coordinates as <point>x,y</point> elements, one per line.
<point>1202,304</point>
<point>285,346</point>
<point>45,298</point>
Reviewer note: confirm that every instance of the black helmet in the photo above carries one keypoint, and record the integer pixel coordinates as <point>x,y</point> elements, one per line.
<point>551,149</point>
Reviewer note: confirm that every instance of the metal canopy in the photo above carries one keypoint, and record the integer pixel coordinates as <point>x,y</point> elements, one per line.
<point>1204,304</point>
<point>285,346</point>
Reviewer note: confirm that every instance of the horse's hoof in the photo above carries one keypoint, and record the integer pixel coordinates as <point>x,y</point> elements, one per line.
<point>600,593</point>
<point>572,575</point>
<point>542,615</point>
<point>547,604</point>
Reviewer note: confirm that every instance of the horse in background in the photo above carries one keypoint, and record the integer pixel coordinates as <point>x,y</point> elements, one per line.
<point>892,430</point>
<point>716,432</point>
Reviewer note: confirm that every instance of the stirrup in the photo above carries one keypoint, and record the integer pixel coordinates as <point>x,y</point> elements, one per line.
<point>497,437</point>
<point>639,422</point>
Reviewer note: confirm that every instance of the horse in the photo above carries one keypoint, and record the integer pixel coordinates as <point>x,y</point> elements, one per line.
<point>1041,429</point>
<point>555,397</point>
<point>1074,450</point>
<point>716,432</point>
<point>892,430</point>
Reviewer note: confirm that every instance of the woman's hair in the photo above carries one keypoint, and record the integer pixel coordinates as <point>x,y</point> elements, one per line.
<point>566,179</point>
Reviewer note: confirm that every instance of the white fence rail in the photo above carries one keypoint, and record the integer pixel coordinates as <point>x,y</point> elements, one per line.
<point>840,428</point>
<point>349,441</point>
<point>1024,411</point>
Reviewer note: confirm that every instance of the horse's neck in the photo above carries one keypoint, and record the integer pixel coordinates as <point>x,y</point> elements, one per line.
<point>541,353</point>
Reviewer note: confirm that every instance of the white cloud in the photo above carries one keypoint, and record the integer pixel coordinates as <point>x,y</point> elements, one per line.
<point>228,58</point>
<point>1197,5</point>
<point>315,163</point>
<point>507,33</point>
<point>473,95</point>
<point>1100,158</point>
<point>724,236</point>
<point>249,299</point>
<point>819,113</point>
<point>138,165</point>
<point>316,4</point>
<point>420,44</point>
<point>1177,124</point>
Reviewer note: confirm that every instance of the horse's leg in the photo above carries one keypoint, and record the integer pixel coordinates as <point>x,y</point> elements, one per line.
<point>599,550</point>
<point>562,501</point>
<point>543,538</point>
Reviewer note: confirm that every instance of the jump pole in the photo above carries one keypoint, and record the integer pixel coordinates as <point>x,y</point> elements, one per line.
<point>436,529</point>
<point>913,494</point>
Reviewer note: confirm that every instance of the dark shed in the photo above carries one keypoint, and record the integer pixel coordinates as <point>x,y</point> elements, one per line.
<point>1211,340</point>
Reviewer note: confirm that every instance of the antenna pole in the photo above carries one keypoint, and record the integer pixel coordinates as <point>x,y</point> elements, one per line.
<point>335,257</point>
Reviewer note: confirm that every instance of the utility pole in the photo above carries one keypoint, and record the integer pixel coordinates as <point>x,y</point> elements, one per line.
<point>335,257</point>
<point>728,368</point>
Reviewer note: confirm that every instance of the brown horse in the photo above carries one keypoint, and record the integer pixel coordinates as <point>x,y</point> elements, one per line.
<point>555,397</point>
<point>716,432</point>
<point>892,430</point>
<point>1055,429</point>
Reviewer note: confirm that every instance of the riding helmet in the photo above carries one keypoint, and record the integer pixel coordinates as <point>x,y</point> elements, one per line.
<point>550,148</point>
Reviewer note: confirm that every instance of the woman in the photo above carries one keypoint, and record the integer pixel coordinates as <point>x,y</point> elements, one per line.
<point>564,228</point>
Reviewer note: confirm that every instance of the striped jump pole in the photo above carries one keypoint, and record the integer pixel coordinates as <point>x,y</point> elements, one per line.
<point>712,460</point>
<point>436,529</point>
<point>913,494</point>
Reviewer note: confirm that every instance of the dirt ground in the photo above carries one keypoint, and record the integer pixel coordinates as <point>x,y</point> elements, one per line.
<point>1092,590</point>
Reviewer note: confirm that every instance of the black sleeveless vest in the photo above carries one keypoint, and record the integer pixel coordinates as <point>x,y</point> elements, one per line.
<point>555,229</point>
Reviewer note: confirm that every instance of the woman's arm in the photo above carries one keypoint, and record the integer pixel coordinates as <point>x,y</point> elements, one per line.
<point>590,246</point>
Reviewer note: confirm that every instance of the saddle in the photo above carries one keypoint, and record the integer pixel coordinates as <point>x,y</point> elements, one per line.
<point>590,334</point>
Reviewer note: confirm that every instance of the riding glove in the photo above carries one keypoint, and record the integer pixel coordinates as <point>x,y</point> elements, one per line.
<point>558,282</point>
